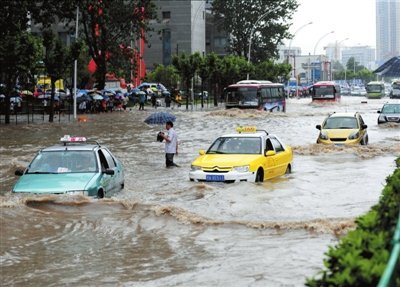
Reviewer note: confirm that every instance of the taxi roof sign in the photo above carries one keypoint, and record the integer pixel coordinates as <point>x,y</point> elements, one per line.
<point>68,139</point>
<point>246,129</point>
<point>249,129</point>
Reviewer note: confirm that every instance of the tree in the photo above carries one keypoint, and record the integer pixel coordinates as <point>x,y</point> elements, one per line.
<point>109,28</point>
<point>187,67</point>
<point>168,75</point>
<point>57,60</point>
<point>19,50</point>
<point>267,70</point>
<point>240,16</point>
<point>353,65</point>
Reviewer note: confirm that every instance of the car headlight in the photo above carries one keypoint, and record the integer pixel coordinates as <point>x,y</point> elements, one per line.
<point>77,192</point>
<point>354,135</point>
<point>323,136</point>
<point>195,167</point>
<point>244,168</point>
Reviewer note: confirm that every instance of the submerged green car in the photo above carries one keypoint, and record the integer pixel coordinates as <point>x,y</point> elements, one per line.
<point>73,167</point>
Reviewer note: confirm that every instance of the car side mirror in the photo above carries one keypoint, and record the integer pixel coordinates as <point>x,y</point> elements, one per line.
<point>378,112</point>
<point>364,126</point>
<point>202,152</point>
<point>109,171</point>
<point>19,172</point>
<point>270,153</point>
<point>318,127</point>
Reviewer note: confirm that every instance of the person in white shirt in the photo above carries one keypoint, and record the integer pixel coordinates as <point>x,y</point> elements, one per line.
<point>171,144</point>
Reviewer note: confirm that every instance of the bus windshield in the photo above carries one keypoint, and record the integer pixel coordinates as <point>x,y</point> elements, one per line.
<point>375,88</point>
<point>324,91</point>
<point>241,94</point>
<point>266,96</point>
<point>246,96</point>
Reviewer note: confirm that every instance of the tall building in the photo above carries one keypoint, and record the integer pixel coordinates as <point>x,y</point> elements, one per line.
<point>387,29</point>
<point>363,55</point>
<point>182,29</point>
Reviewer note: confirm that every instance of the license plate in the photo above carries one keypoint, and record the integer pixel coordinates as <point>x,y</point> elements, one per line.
<point>212,177</point>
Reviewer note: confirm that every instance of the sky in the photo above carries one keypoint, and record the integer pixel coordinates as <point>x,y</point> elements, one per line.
<point>353,19</point>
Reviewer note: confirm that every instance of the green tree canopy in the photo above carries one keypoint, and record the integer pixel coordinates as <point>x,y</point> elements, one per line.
<point>110,29</point>
<point>240,17</point>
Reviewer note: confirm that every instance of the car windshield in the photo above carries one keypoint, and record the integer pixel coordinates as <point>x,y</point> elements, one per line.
<point>391,109</point>
<point>236,145</point>
<point>63,161</point>
<point>341,123</point>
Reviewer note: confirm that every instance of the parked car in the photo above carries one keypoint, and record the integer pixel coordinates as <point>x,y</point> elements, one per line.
<point>248,155</point>
<point>389,113</point>
<point>343,129</point>
<point>158,88</point>
<point>74,167</point>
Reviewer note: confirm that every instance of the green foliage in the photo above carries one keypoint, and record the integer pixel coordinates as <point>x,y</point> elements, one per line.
<point>240,16</point>
<point>267,70</point>
<point>167,75</point>
<point>360,258</point>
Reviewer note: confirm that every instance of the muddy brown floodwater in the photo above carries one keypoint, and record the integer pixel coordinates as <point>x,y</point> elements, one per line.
<point>163,230</point>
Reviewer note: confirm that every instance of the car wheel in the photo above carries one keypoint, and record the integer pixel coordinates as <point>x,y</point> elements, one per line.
<point>288,169</point>
<point>260,175</point>
<point>364,140</point>
<point>100,194</point>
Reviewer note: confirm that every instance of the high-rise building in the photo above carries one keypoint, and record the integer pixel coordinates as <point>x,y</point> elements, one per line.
<point>181,29</point>
<point>363,55</point>
<point>387,29</point>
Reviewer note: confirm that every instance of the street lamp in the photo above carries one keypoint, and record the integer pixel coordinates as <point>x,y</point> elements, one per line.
<point>294,34</point>
<point>294,61</point>
<point>315,48</point>
<point>252,31</point>
<point>76,62</point>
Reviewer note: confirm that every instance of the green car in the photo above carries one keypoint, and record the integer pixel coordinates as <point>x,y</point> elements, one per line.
<point>72,167</point>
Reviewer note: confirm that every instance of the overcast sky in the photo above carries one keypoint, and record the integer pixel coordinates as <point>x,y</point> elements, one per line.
<point>353,19</point>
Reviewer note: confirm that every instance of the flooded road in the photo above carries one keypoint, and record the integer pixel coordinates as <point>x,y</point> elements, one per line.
<point>163,230</point>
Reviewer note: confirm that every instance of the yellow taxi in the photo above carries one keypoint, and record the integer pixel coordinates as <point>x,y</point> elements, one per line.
<point>343,129</point>
<point>248,155</point>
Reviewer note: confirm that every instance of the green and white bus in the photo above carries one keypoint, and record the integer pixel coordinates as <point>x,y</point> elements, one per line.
<point>375,90</point>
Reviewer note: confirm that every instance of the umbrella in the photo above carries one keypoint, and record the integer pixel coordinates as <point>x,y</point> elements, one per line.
<point>83,98</point>
<point>159,118</point>
<point>81,92</point>
<point>97,97</point>
<point>108,93</point>
<point>27,93</point>
<point>15,99</point>
<point>390,68</point>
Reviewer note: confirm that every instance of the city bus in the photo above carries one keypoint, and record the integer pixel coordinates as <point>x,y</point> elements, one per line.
<point>375,90</point>
<point>325,91</point>
<point>254,94</point>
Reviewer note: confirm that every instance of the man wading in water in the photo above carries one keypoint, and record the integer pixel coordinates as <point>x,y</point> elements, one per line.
<point>171,144</point>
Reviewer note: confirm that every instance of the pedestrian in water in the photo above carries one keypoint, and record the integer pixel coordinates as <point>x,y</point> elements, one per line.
<point>142,99</point>
<point>171,144</point>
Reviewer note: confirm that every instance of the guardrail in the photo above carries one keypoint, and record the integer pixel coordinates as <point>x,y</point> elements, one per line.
<point>392,270</point>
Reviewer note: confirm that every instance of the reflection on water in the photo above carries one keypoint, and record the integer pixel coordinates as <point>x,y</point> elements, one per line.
<point>163,230</point>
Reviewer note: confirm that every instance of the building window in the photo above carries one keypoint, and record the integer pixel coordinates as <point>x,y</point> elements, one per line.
<point>166,15</point>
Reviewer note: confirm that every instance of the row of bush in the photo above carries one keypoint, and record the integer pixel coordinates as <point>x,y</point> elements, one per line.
<point>361,256</point>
